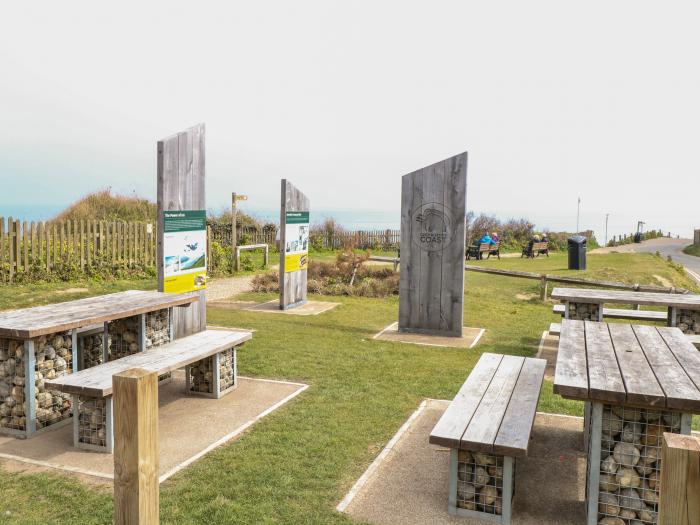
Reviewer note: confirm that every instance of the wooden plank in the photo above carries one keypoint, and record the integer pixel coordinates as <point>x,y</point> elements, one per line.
<point>11,248</point>
<point>97,380</point>
<point>571,372</point>
<point>25,245</point>
<point>293,285</point>
<point>136,462</point>
<point>679,498</point>
<point>449,429</point>
<point>482,430</point>
<point>41,320</point>
<point>513,436</point>
<point>2,247</point>
<point>640,381</point>
<point>680,391</point>
<point>583,295</point>
<point>684,351</point>
<point>635,315</point>
<point>604,378</point>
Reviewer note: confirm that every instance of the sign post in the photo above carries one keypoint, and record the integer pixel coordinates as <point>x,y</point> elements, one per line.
<point>234,232</point>
<point>433,212</point>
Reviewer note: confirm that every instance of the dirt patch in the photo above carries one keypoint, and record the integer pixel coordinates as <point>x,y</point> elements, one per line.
<point>20,467</point>
<point>71,290</point>
<point>664,282</point>
<point>526,296</point>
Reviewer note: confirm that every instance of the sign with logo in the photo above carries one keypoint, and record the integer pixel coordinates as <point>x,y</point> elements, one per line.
<point>184,250</point>
<point>432,226</point>
<point>296,240</point>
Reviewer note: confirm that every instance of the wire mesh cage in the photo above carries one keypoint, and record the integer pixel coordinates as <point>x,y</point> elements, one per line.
<point>53,358</point>
<point>123,337</point>
<point>92,421</point>
<point>480,482</point>
<point>201,376</point>
<point>13,407</point>
<point>157,328</point>
<point>584,311</point>
<point>688,321</point>
<point>91,349</point>
<point>630,453</point>
<point>227,369</point>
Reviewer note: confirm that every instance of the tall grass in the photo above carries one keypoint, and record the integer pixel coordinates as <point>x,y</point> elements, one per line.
<point>105,206</point>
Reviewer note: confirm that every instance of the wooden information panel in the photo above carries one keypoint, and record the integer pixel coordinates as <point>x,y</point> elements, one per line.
<point>433,211</point>
<point>294,246</point>
<point>181,187</point>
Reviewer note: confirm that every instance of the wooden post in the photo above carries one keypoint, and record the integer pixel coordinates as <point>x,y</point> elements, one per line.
<point>136,491</point>
<point>543,287</point>
<point>679,499</point>
<point>234,236</point>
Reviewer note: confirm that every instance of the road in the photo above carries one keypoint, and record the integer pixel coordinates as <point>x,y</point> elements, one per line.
<point>666,247</point>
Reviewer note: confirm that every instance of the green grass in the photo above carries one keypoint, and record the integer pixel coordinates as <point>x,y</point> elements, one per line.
<point>296,464</point>
<point>693,249</point>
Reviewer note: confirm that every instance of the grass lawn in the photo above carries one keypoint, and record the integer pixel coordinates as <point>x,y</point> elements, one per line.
<point>693,249</point>
<point>296,464</point>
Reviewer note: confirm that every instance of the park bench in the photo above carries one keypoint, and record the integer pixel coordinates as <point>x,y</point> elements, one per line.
<point>209,358</point>
<point>486,426</point>
<point>477,251</point>
<point>537,249</point>
<point>620,313</point>
<point>695,339</point>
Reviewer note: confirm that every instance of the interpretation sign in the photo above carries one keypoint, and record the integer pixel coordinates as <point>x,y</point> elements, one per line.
<point>294,246</point>
<point>296,240</point>
<point>433,212</point>
<point>184,250</point>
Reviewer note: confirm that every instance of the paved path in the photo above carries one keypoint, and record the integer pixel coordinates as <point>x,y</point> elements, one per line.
<point>665,246</point>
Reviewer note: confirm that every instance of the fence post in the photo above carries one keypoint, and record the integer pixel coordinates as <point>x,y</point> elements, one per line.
<point>543,287</point>
<point>679,498</point>
<point>136,490</point>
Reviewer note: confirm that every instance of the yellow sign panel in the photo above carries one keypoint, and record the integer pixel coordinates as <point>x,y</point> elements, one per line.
<point>186,282</point>
<point>296,261</point>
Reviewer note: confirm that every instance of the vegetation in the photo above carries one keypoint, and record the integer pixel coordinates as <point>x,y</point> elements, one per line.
<point>106,206</point>
<point>693,249</point>
<point>294,465</point>
<point>629,239</point>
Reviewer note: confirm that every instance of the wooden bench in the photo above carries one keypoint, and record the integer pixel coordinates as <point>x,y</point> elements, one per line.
<point>695,339</point>
<point>537,249</point>
<point>486,426</point>
<point>555,329</point>
<point>478,251</point>
<point>619,313</point>
<point>210,361</point>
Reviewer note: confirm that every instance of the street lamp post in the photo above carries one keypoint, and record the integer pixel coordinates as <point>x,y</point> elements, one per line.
<point>607,215</point>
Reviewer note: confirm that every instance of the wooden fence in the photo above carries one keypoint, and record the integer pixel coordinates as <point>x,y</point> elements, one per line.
<point>47,246</point>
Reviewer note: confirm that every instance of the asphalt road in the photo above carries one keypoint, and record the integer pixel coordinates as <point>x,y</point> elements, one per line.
<point>665,246</point>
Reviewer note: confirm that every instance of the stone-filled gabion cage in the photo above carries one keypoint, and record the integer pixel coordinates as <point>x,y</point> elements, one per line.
<point>201,376</point>
<point>625,462</point>
<point>92,422</point>
<point>13,408</point>
<point>53,358</point>
<point>584,311</point>
<point>688,321</point>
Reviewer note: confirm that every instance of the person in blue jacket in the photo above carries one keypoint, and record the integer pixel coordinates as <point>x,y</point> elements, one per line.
<point>486,239</point>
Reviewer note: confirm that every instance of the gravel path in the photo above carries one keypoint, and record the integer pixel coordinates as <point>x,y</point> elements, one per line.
<point>224,288</point>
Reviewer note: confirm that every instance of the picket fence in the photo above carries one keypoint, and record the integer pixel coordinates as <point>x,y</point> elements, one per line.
<point>49,245</point>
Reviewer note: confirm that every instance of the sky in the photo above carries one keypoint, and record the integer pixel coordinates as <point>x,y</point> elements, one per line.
<point>553,100</point>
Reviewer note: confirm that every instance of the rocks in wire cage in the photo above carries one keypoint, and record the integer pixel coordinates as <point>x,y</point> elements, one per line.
<point>91,350</point>
<point>12,381</point>
<point>202,376</point>
<point>584,311</point>
<point>688,321</point>
<point>480,482</point>
<point>123,337</point>
<point>53,358</point>
<point>157,328</point>
<point>227,369</point>
<point>92,421</point>
<point>630,463</point>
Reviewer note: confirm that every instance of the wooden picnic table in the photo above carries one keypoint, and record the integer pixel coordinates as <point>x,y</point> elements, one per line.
<point>587,304</point>
<point>42,343</point>
<point>637,382</point>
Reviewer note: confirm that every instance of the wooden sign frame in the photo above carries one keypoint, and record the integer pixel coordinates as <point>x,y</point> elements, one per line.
<point>292,283</point>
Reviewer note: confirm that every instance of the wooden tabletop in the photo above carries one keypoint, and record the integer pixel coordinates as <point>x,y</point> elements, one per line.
<point>27,323</point>
<point>494,410</point>
<point>97,381</point>
<point>622,364</point>
<point>584,295</point>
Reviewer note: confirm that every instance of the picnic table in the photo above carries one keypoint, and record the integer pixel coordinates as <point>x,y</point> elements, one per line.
<point>637,382</point>
<point>587,304</point>
<point>42,343</point>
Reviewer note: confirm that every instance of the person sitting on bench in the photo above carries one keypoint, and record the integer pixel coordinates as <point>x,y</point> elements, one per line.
<point>487,239</point>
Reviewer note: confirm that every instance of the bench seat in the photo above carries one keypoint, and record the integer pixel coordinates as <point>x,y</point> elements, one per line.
<point>208,356</point>
<point>695,339</point>
<point>620,313</point>
<point>486,426</point>
<point>555,329</point>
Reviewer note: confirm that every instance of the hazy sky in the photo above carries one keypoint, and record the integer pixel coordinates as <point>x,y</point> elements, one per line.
<point>552,100</point>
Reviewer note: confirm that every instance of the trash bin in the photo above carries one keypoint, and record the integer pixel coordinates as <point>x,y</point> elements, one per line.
<point>638,237</point>
<point>577,252</point>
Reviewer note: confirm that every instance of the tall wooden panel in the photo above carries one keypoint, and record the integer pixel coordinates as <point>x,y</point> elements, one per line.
<point>181,187</point>
<point>292,284</point>
<point>433,211</point>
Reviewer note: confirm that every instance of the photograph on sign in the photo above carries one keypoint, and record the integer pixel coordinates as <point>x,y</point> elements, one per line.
<point>184,250</point>
<point>296,253</point>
